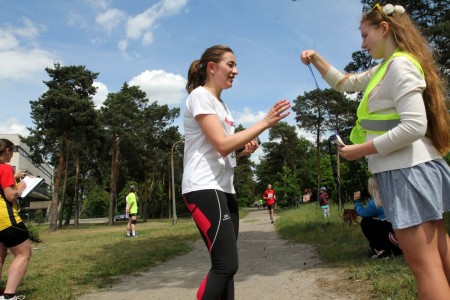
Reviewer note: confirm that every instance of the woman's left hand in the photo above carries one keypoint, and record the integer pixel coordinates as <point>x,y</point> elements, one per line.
<point>354,152</point>
<point>249,148</point>
<point>20,174</point>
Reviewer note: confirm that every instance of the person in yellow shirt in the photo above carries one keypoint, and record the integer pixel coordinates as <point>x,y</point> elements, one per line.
<point>131,211</point>
<point>13,232</point>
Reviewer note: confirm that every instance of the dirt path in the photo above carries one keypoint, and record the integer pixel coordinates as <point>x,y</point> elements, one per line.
<point>269,268</point>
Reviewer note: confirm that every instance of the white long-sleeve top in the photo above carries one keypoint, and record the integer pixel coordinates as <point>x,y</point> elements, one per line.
<point>399,91</point>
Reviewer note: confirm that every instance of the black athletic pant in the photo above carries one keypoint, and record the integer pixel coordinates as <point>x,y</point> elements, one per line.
<point>217,217</point>
<point>377,233</point>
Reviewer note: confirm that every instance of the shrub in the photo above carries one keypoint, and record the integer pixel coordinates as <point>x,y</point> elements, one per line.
<point>39,217</point>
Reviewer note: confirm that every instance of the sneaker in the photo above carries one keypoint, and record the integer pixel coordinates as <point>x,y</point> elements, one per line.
<point>380,254</point>
<point>21,297</point>
<point>271,222</point>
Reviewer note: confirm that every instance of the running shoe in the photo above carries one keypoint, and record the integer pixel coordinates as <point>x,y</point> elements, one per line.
<point>380,254</point>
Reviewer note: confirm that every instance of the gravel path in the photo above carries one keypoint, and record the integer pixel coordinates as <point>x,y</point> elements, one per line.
<point>269,268</point>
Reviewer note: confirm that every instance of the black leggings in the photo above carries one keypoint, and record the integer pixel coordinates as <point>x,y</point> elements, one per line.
<point>217,217</point>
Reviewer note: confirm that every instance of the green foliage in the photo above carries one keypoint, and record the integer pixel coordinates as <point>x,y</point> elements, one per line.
<point>33,231</point>
<point>285,149</point>
<point>65,107</point>
<point>288,188</point>
<point>140,138</point>
<point>244,184</point>
<point>96,203</point>
<point>39,217</point>
<point>64,116</point>
<point>322,111</point>
<point>447,158</point>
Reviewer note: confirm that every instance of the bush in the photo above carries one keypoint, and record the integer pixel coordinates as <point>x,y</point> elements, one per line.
<point>39,217</point>
<point>34,233</point>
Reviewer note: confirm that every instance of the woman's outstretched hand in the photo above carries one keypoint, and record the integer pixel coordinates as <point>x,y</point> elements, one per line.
<point>277,113</point>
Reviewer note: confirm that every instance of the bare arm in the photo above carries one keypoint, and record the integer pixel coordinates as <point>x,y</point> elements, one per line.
<point>224,144</point>
<point>311,56</point>
<point>12,194</point>
<point>19,175</point>
<point>353,152</point>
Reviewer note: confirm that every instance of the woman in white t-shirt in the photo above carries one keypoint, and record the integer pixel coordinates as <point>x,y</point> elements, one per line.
<point>209,159</point>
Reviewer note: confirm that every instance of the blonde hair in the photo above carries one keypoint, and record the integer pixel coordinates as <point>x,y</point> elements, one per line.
<point>197,70</point>
<point>373,191</point>
<point>409,39</point>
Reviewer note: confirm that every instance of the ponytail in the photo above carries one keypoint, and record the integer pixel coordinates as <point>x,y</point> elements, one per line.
<point>197,74</point>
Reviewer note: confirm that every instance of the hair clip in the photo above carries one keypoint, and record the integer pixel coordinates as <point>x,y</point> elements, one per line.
<point>389,9</point>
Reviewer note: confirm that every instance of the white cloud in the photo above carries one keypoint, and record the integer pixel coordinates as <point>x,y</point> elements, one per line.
<point>99,4</point>
<point>305,134</point>
<point>101,95</point>
<point>10,36</point>
<point>24,64</point>
<point>147,39</point>
<point>30,31</point>
<point>13,126</point>
<point>161,86</point>
<point>123,45</point>
<point>7,40</point>
<point>141,25</point>
<point>110,19</point>
<point>19,58</point>
<point>77,20</point>
<point>246,117</point>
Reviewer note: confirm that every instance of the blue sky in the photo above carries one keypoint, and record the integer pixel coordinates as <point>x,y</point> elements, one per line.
<point>152,43</point>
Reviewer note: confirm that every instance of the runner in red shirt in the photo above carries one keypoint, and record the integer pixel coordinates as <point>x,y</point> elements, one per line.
<point>270,197</point>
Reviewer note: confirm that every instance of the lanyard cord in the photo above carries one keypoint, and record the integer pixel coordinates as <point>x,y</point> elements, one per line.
<point>314,77</point>
<point>332,160</point>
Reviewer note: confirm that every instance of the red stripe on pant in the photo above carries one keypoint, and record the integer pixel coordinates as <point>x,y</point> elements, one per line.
<point>202,222</point>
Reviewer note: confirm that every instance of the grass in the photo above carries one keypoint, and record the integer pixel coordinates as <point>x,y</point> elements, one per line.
<point>345,246</point>
<point>76,260</point>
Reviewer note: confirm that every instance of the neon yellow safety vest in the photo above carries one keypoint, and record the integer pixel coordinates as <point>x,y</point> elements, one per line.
<point>373,122</point>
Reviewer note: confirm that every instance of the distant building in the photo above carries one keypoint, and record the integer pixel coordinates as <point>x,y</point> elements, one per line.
<point>40,198</point>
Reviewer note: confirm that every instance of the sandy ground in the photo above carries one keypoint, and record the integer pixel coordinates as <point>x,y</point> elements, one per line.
<point>269,268</point>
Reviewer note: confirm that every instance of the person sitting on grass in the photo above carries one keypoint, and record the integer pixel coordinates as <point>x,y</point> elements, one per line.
<point>378,231</point>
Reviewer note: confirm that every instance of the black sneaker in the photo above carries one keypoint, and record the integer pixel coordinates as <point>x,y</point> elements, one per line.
<point>380,254</point>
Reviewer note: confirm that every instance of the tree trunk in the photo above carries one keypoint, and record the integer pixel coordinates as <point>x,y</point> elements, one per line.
<point>115,166</point>
<point>59,170</point>
<point>63,196</point>
<point>76,219</point>
<point>162,201</point>
<point>148,197</point>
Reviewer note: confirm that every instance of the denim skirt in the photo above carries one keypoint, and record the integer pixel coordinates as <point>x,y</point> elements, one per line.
<point>414,195</point>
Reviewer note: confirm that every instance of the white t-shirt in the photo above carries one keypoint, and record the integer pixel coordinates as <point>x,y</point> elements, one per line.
<point>204,167</point>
